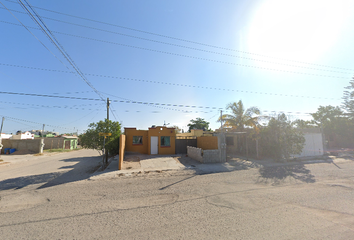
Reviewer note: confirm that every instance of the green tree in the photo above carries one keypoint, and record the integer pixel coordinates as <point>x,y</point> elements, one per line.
<point>326,114</point>
<point>198,123</point>
<point>241,117</point>
<point>91,139</point>
<point>334,122</point>
<point>348,103</point>
<point>177,129</point>
<point>280,139</point>
<point>300,123</point>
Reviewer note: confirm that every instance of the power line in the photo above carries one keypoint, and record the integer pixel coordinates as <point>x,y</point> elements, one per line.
<point>77,107</point>
<point>27,28</point>
<point>163,105</point>
<point>192,48</point>
<point>37,19</point>
<point>23,120</point>
<point>173,84</point>
<point>51,96</point>
<point>191,57</point>
<point>184,40</point>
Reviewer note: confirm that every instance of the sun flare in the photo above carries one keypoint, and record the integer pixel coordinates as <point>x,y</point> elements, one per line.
<point>298,30</point>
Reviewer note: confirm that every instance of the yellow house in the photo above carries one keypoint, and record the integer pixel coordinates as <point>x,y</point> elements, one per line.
<point>156,140</point>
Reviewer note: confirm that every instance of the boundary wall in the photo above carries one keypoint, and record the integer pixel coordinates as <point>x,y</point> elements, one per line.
<point>34,145</point>
<point>204,156</point>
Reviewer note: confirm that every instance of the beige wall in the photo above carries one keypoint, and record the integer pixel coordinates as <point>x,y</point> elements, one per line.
<point>54,143</point>
<point>23,144</point>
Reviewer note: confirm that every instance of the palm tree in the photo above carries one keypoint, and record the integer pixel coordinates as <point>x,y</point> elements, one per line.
<point>240,117</point>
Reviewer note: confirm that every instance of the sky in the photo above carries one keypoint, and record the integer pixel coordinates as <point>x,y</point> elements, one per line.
<point>167,62</point>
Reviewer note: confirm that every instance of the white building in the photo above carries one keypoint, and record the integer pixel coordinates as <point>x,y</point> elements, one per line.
<point>25,135</point>
<point>313,143</point>
<point>6,136</point>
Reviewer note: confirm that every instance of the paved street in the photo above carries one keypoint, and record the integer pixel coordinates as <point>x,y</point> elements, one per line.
<point>291,201</point>
<point>50,169</point>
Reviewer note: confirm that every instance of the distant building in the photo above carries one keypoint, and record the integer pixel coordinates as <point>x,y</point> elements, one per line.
<point>5,136</point>
<point>25,135</point>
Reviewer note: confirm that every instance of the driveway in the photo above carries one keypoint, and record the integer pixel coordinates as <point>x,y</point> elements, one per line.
<point>22,171</point>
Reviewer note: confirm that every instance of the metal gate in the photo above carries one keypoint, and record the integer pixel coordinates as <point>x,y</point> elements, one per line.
<point>182,143</point>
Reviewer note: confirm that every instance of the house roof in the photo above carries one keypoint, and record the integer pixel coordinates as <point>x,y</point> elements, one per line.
<point>70,137</point>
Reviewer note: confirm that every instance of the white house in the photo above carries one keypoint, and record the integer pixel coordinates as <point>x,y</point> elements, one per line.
<point>25,135</point>
<point>5,136</point>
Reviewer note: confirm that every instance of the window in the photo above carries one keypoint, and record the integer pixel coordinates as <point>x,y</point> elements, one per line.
<point>165,141</point>
<point>137,139</point>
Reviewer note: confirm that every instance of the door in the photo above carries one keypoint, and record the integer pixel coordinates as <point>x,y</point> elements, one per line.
<point>67,144</point>
<point>154,145</point>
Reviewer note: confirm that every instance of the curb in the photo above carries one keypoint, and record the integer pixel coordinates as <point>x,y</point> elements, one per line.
<point>135,172</point>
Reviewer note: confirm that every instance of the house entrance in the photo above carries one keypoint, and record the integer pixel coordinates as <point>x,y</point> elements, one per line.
<point>154,145</point>
<point>67,144</point>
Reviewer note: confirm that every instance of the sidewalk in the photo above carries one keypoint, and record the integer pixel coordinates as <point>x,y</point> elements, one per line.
<point>135,164</point>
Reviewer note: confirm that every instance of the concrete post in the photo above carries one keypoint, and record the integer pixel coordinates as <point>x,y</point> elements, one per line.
<point>41,146</point>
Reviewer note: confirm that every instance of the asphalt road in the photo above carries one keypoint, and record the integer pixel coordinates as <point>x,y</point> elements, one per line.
<point>312,201</point>
<point>30,171</point>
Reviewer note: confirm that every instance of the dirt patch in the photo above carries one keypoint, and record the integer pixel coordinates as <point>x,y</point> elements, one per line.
<point>131,162</point>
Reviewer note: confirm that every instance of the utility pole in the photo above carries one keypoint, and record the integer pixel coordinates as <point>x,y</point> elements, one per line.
<point>106,150</point>
<point>2,123</point>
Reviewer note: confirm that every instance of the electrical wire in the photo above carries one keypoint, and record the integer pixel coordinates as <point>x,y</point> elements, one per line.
<point>56,43</point>
<point>76,107</point>
<point>184,40</point>
<point>191,48</point>
<point>165,105</point>
<point>172,84</point>
<point>24,120</point>
<point>27,28</point>
<point>191,57</point>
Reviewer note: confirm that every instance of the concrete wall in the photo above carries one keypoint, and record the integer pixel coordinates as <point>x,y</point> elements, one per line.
<point>211,156</point>
<point>204,156</point>
<point>207,143</point>
<point>54,143</point>
<point>33,145</point>
<point>195,153</point>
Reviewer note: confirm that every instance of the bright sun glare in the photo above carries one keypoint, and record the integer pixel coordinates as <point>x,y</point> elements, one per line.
<point>298,30</point>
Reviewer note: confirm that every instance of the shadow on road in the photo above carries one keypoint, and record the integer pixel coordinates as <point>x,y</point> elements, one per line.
<point>84,167</point>
<point>278,174</point>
